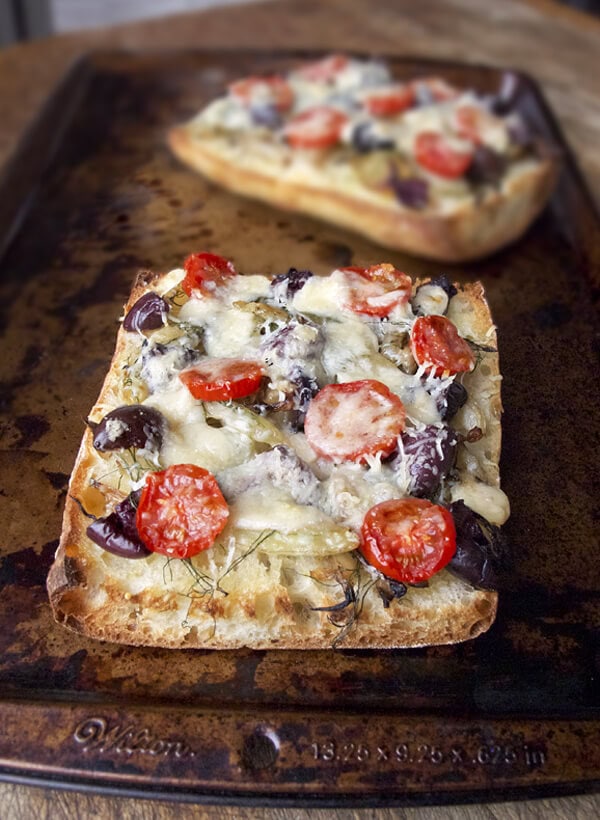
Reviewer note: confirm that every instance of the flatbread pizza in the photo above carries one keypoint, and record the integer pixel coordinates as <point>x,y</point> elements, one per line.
<point>420,166</point>
<point>297,461</point>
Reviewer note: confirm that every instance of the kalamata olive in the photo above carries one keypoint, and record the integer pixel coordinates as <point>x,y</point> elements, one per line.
<point>288,284</point>
<point>306,389</point>
<point>487,166</point>
<point>266,115</point>
<point>117,533</point>
<point>364,139</point>
<point>479,547</point>
<point>442,281</point>
<point>433,296</point>
<point>132,425</point>
<point>428,454</point>
<point>412,191</point>
<point>454,398</point>
<point>148,313</point>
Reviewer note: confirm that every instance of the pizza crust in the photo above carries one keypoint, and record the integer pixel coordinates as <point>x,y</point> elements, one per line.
<point>270,604</point>
<point>470,231</point>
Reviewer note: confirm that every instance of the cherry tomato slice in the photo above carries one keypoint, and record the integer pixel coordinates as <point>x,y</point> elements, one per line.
<point>325,70</point>
<point>318,127</point>
<point>181,511</point>
<point>436,344</point>
<point>434,153</point>
<point>272,90</point>
<point>408,539</point>
<point>222,379</point>
<point>377,290</point>
<point>386,102</point>
<point>346,422</point>
<point>205,272</point>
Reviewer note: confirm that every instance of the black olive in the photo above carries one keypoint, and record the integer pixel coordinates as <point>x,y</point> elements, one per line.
<point>365,140</point>
<point>148,313</point>
<point>266,115</point>
<point>117,533</point>
<point>429,455</point>
<point>456,396</point>
<point>479,547</point>
<point>487,166</point>
<point>412,192</point>
<point>443,282</point>
<point>132,425</point>
<point>292,281</point>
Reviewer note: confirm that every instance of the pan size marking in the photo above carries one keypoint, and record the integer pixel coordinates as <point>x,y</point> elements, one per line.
<point>489,754</point>
<point>99,734</point>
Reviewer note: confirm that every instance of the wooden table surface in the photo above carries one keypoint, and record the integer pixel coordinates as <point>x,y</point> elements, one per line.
<point>555,44</point>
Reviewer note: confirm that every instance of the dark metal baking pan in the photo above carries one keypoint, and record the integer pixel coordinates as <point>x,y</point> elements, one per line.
<point>92,196</point>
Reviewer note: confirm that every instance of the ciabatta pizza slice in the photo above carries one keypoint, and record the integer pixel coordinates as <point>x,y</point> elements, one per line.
<point>419,166</point>
<point>300,462</point>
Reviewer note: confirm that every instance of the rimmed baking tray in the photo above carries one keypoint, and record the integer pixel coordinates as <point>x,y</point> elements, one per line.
<point>92,196</point>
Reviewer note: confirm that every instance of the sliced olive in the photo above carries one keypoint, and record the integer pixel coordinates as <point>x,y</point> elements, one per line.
<point>133,425</point>
<point>410,191</point>
<point>365,139</point>
<point>428,455</point>
<point>117,533</point>
<point>487,166</point>
<point>148,313</point>
<point>455,397</point>
<point>288,284</point>
<point>479,547</point>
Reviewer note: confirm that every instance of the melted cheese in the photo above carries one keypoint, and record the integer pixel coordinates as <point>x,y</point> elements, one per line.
<point>312,504</point>
<point>490,502</point>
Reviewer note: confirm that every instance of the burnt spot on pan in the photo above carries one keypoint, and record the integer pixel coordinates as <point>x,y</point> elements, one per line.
<point>26,567</point>
<point>31,429</point>
<point>111,282</point>
<point>58,480</point>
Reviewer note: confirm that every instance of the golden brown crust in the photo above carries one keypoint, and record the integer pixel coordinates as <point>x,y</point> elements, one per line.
<point>127,601</point>
<point>472,232</point>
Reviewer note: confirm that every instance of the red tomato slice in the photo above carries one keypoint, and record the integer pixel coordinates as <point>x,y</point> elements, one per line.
<point>346,422</point>
<point>318,127</point>
<point>386,102</point>
<point>181,511</point>
<point>272,90</point>
<point>377,290</point>
<point>325,70</point>
<point>434,153</point>
<point>222,379</point>
<point>436,344</point>
<point>408,539</point>
<point>205,272</point>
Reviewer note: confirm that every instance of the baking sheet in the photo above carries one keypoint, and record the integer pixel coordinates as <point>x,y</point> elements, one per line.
<point>92,197</point>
